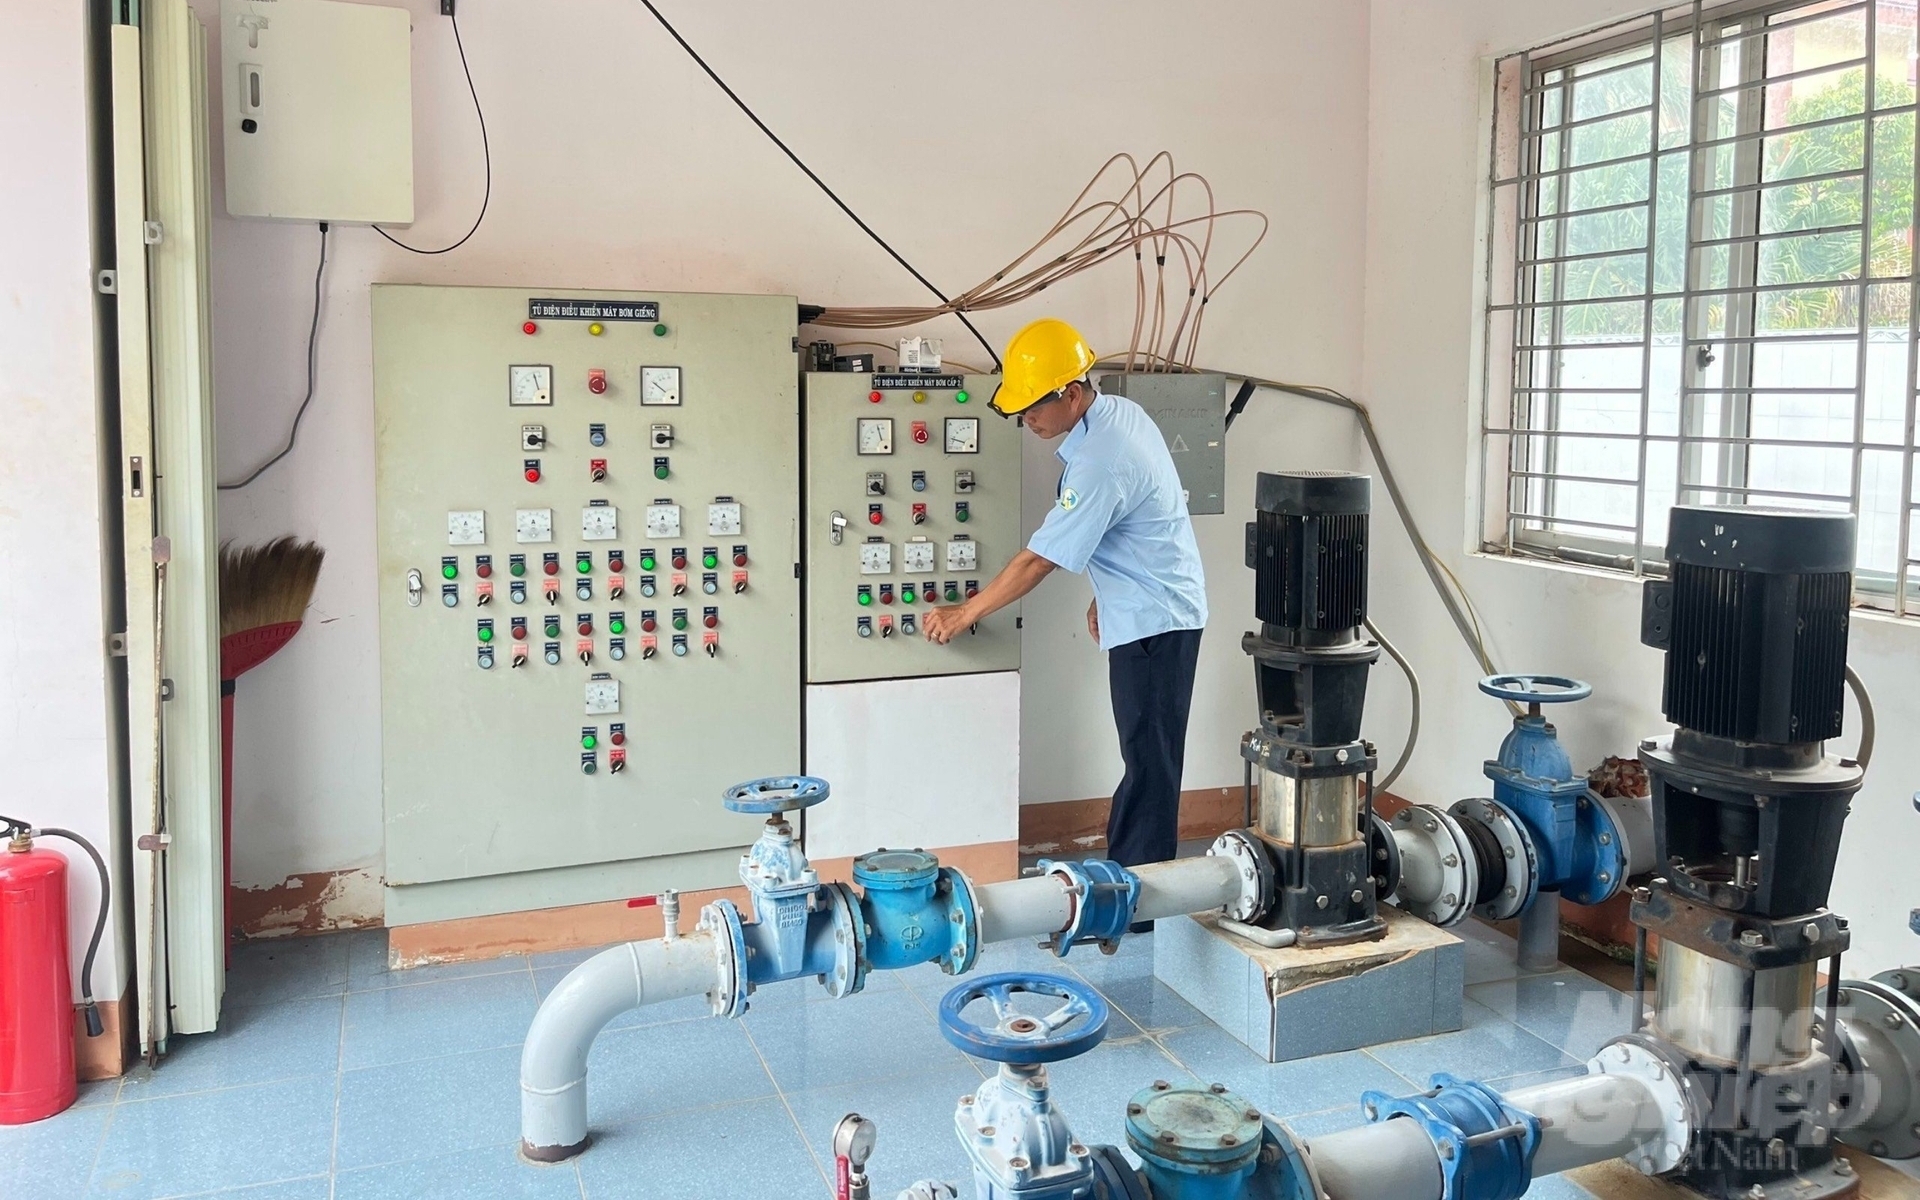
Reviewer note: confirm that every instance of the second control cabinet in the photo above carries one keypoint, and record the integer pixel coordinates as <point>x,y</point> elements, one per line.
<point>913,501</point>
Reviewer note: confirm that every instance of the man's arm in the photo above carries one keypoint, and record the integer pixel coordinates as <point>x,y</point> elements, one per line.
<point>1015,580</point>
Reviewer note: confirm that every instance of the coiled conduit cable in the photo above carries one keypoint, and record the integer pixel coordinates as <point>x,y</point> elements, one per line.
<point>1413,720</point>
<point>16,826</point>
<point>1864,754</point>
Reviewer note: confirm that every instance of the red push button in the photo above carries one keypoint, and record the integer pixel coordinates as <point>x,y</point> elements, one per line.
<point>873,515</point>
<point>585,627</point>
<point>533,474</point>
<point>647,625</point>
<point>551,566</point>
<point>597,381</point>
<point>618,737</point>
<point>712,620</point>
<point>679,562</point>
<point>483,570</point>
<point>740,558</point>
<point>920,434</point>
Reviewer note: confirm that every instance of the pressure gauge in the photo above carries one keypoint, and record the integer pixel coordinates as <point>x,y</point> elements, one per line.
<point>876,435</point>
<point>533,525</point>
<point>529,386</point>
<point>876,558</point>
<point>663,520</point>
<point>603,696</point>
<point>659,385</point>
<point>918,557</point>
<point>467,528</point>
<point>599,522</point>
<point>963,554</point>
<point>963,435</point>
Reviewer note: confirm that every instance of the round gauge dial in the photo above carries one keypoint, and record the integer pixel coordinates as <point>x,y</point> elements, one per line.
<point>529,385</point>
<point>659,385</point>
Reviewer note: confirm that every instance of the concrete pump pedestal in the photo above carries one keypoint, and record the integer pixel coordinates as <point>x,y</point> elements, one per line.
<point>1295,1003</point>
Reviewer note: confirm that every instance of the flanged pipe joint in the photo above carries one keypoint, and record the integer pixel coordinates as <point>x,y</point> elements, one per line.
<point>901,910</point>
<point>1543,833</point>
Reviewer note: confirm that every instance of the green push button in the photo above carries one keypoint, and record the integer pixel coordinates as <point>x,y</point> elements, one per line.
<point>616,626</point>
<point>588,741</point>
<point>661,472</point>
<point>659,331</point>
<point>953,595</point>
<point>518,568</point>
<point>680,621</point>
<point>712,560</point>
<point>583,565</point>
<point>553,629</point>
<point>962,514</point>
<point>486,633</point>
<point>866,598</point>
<point>449,570</point>
<point>961,397</point>
<point>906,594</point>
<point>646,562</point>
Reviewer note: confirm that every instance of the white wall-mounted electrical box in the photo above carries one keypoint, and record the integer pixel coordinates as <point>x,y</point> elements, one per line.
<point>318,110</point>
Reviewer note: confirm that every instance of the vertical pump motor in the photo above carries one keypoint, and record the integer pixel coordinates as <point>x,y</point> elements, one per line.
<point>1308,548</point>
<point>1747,808</point>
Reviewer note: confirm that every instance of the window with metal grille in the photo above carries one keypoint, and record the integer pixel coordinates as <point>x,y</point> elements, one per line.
<point>1700,284</point>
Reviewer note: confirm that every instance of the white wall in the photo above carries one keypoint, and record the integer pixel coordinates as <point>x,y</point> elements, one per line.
<point>57,734</point>
<point>1429,60</point>
<point>617,165</point>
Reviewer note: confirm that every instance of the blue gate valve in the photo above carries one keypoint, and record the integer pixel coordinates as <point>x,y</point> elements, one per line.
<point>1580,850</point>
<point>784,885</point>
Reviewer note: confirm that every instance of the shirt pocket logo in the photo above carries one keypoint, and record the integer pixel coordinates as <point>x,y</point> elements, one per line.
<point>1069,498</point>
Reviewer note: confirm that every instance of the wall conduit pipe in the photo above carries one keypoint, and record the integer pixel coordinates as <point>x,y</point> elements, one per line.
<point>553,1064</point>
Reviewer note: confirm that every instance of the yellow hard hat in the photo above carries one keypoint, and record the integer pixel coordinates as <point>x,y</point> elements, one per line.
<point>1040,360</point>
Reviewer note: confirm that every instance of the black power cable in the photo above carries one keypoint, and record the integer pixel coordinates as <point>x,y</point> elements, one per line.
<point>818,182</point>
<point>486,154</point>
<point>14,825</point>
<point>313,334</point>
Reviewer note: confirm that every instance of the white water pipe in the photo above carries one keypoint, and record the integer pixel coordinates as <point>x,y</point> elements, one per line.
<point>553,1064</point>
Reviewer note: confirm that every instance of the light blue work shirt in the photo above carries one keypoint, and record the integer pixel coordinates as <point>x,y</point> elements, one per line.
<point>1120,517</point>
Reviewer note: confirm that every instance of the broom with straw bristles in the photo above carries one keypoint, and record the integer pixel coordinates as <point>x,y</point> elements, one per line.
<point>264,593</point>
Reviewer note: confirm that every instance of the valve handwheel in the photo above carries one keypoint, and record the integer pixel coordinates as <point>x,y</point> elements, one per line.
<point>775,794</point>
<point>1527,689</point>
<point>1073,1027</point>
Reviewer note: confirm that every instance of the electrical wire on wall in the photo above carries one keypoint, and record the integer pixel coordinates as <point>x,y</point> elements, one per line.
<point>1139,213</point>
<point>486,157</point>
<point>313,335</point>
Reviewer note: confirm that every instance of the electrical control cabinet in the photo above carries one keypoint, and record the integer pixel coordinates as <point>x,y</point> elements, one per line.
<point>1191,411</point>
<point>913,501</point>
<point>589,603</point>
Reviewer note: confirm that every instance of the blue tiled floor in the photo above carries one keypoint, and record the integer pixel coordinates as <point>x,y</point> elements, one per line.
<point>334,1078</point>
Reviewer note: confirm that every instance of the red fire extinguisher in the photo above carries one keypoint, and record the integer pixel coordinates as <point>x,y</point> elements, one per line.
<point>36,995</point>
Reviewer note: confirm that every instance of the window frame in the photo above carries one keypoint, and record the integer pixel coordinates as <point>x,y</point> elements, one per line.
<point>1520,434</point>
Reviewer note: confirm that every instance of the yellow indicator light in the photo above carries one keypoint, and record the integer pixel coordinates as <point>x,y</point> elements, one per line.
<point>596,329</point>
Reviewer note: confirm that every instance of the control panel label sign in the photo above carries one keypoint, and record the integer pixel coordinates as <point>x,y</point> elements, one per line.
<point>944,383</point>
<point>593,310</point>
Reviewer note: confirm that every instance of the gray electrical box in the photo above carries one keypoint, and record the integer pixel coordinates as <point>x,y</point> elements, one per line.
<point>1191,411</point>
<point>913,501</point>
<point>589,610</point>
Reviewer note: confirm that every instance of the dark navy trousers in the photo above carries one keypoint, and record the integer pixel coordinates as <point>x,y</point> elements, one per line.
<point>1152,685</point>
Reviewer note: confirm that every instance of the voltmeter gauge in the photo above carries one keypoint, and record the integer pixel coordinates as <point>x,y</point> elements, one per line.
<point>599,523</point>
<point>917,558</point>
<point>659,385</point>
<point>533,525</point>
<point>529,385</point>
<point>963,435</point>
<point>876,558</point>
<point>876,435</point>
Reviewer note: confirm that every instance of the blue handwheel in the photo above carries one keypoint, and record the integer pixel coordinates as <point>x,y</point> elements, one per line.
<point>1075,1027</point>
<point>1526,689</point>
<point>776,794</point>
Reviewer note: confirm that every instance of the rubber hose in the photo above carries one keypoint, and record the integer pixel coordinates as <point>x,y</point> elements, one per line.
<point>94,1026</point>
<point>1864,754</point>
<point>1413,720</point>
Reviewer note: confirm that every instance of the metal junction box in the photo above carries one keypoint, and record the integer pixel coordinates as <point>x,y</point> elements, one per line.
<point>589,610</point>
<point>913,501</point>
<point>1191,411</point>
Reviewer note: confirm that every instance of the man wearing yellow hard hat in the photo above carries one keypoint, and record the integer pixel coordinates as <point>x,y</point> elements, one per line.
<point>1120,517</point>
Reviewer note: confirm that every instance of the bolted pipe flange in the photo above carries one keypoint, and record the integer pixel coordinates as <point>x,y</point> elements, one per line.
<point>963,914</point>
<point>1438,873</point>
<point>729,997</point>
<point>850,934</point>
<point>1522,860</point>
<point>1905,980</point>
<point>1638,1057</point>
<point>1255,868</point>
<point>1485,1145</point>
<point>1103,893</point>
<point>1880,1101</point>
<point>1383,856</point>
